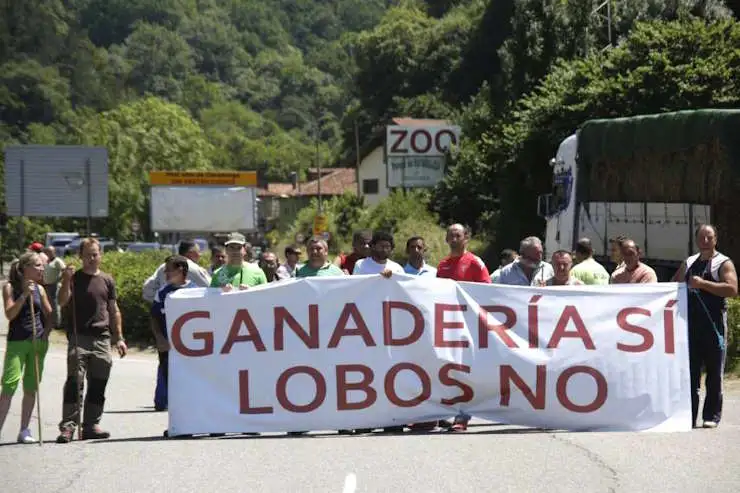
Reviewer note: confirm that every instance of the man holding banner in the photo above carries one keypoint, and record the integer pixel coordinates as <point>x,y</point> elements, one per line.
<point>711,279</point>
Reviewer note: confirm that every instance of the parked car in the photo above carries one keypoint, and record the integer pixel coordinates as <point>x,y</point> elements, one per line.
<point>106,244</point>
<point>141,246</point>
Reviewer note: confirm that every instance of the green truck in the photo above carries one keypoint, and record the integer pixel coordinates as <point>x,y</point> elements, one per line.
<point>653,178</point>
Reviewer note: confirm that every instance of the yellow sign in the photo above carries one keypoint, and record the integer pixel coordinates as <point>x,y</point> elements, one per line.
<point>320,224</point>
<point>223,178</point>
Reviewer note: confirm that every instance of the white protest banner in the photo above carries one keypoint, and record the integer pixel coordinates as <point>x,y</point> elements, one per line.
<point>365,351</point>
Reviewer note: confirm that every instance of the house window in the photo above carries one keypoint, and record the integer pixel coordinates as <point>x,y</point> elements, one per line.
<point>370,187</point>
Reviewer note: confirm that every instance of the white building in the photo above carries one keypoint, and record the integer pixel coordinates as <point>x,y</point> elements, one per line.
<point>372,172</point>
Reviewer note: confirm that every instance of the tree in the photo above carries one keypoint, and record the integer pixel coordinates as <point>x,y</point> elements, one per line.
<point>30,92</point>
<point>148,134</point>
<point>160,61</point>
<point>660,66</point>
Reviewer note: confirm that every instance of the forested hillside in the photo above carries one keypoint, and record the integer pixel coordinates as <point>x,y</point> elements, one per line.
<point>250,84</point>
<point>180,84</point>
<point>521,75</point>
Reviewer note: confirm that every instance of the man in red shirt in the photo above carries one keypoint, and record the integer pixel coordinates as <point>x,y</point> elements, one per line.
<point>360,249</point>
<point>462,265</point>
<point>459,265</point>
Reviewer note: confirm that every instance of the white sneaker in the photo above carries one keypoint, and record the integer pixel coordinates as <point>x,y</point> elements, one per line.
<point>25,437</point>
<point>710,424</point>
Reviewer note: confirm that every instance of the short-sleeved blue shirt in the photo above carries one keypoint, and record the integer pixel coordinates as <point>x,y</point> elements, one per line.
<point>158,305</point>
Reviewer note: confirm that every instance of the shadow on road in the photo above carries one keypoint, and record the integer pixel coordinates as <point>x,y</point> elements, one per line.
<point>335,435</point>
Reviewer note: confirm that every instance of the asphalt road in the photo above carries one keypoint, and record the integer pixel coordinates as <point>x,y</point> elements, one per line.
<point>487,458</point>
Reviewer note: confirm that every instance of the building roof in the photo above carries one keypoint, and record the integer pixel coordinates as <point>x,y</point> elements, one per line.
<point>335,181</point>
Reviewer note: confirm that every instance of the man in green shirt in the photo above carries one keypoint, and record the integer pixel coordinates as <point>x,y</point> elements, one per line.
<point>237,273</point>
<point>318,264</point>
<point>588,270</point>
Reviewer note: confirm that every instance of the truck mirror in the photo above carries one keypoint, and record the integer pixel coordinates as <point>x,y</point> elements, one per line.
<point>543,205</point>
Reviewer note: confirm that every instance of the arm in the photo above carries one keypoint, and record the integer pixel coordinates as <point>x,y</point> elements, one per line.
<point>649,277</point>
<point>680,274</point>
<point>481,273</point>
<point>12,307</point>
<point>152,285</point>
<point>200,277</point>
<point>727,287</point>
<point>65,290</point>
<point>47,315</point>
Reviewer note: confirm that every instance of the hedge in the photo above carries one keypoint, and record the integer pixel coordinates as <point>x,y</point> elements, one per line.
<point>131,269</point>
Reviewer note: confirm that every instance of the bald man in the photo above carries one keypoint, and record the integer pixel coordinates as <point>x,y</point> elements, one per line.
<point>460,264</point>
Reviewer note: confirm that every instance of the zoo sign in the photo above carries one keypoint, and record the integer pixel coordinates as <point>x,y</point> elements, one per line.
<point>415,140</point>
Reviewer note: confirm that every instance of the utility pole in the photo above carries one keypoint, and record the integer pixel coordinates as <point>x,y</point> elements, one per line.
<point>318,163</point>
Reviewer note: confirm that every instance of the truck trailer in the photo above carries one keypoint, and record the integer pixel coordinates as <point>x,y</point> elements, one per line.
<point>652,178</point>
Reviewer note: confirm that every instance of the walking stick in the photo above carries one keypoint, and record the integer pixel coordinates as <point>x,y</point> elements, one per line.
<point>78,377</point>
<point>36,363</point>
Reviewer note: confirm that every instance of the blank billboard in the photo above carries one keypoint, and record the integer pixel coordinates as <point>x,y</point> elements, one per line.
<point>56,181</point>
<point>203,209</point>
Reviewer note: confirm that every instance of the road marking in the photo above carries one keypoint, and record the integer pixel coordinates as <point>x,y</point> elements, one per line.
<point>350,483</point>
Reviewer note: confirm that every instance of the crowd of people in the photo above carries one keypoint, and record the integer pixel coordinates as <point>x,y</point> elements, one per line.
<point>32,299</point>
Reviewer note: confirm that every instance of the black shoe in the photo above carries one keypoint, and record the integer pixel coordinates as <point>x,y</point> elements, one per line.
<point>364,430</point>
<point>344,432</point>
<point>66,436</point>
<point>94,433</point>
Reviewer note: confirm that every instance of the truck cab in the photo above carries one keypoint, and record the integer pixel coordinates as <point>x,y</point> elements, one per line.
<point>663,231</point>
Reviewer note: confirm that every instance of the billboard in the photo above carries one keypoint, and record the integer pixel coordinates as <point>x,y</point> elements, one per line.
<point>56,181</point>
<point>207,201</point>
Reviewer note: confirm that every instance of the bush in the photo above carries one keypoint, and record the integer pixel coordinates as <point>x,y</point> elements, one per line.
<point>733,335</point>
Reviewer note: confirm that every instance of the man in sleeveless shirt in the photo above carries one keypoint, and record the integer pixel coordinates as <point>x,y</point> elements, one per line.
<point>711,279</point>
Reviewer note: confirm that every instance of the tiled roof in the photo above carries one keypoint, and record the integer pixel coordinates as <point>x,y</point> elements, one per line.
<point>402,120</point>
<point>336,182</point>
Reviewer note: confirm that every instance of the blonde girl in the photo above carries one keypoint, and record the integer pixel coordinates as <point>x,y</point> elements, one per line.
<point>24,287</point>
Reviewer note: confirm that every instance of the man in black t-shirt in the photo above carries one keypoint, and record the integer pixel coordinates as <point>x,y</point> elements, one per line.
<point>89,297</point>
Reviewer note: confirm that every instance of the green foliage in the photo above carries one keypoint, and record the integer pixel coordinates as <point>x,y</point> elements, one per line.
<point>659,67</point>
<point>733,336</point>
<point>148,134</point>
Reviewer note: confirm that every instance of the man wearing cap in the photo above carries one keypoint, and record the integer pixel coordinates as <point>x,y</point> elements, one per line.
<point>291,265</point>
<point>237,273</point>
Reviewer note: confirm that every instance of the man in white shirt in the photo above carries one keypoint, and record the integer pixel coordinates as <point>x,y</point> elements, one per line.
<point>197,274</point>
<point>381,248</point>
<point>290,268</point>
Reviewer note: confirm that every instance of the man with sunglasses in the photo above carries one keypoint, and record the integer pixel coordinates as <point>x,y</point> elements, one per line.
<point>528,269</point>
<point>237,274</point>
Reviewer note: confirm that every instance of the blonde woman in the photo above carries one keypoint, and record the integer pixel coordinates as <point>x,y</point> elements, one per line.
<point>24,287</point>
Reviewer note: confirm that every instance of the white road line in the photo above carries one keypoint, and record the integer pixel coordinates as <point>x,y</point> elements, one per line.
<point>350,483</point>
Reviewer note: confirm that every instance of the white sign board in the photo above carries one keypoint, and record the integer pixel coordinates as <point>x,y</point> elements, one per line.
<point>203,209</point>
<point>417,140</point>
<point>348,352</point>
<point>415,171</point>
